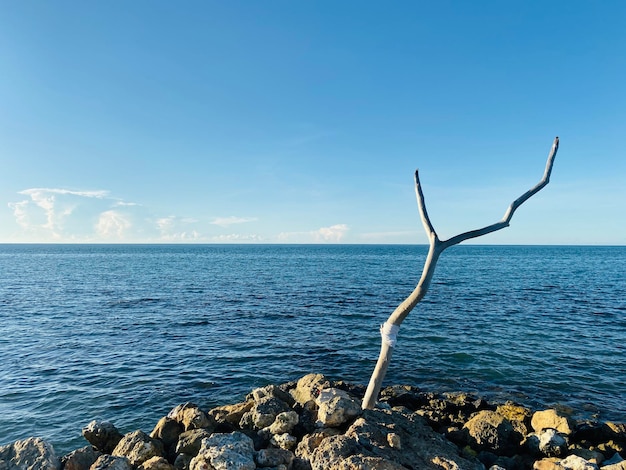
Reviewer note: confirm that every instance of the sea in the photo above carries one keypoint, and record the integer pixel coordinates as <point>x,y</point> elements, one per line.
<point>124,333</point>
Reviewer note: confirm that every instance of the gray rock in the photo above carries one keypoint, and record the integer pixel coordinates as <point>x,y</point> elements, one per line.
<point>138,447</point>
<point>284,441</point>
<point>182,461</point>
<point>336,407</point>
<point>190,441</point>
<point>80,459</point>
<point>309,443</point>
<point>552,444</point>
<point>234,451</point>
<point>102,435</point>
<point>273,457</point>
<point>110,462</point>
<point>574,462</point>
<point>272,391</point>
<point>366,445</point>
<point>284,422</point>
<point>29,454</point>
<point>263,413</point>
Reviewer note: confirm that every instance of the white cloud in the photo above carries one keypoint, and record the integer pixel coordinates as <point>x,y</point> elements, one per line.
<point>332,234</point>
<point>112,224</point>
<point>236,237</point>
<point>36,192</point>
<point>57,214</point>
<point>20,211</point>
<point>174,228</point>
<point>228,221</point>
<point>56,204</point>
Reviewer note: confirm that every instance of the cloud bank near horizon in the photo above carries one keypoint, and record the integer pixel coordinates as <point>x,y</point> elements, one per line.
<point>58,215</point>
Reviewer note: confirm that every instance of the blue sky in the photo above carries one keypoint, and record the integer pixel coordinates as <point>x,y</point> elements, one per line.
<point>303,122</point>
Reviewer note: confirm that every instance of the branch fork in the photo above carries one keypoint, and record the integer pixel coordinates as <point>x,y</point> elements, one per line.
<point>390,328</point>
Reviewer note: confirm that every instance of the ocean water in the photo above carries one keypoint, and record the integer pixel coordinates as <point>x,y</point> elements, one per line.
<point>126,332</point>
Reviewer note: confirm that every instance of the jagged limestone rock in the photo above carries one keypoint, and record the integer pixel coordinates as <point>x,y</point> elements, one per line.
<point>234,451</point>
<point>138,447</point>
<point>103,435</point>
<point>336,407</point>
<point>29,454</point>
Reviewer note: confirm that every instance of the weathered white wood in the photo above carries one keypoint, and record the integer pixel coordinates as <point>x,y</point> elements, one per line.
<point>436,247</point>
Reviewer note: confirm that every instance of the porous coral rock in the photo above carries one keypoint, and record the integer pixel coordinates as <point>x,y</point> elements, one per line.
<point>490,431</point>
<point>192,417</point>
<point>29,454</point>
<point>336,407</point>
<point>138,447</point>
<point>263,413</point>
<point>234,451</point>
<point>552,419</point>
<point>103,435</point>
<point>284,422</point>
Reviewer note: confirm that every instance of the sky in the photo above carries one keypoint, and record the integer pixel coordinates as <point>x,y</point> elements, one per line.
<point>151,121</point>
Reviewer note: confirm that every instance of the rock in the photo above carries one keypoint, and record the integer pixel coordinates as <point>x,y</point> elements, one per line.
<point>273,457</point>
<point>308,387</point>
<point>365,445</point>
<point>574,462</point>
<point>552,419</point>
<point>551,443</point>
<point>615,466</point>
<point>272,391</point>
<point>402,395</point>
<point>618,431</point>
<point>518,416</point>
<point>336,407</point>
<point>102,435</point>
<point>183,461</point>
<point>234,451</point>
<point>263,413</point>
<point>590,455</point>
<point>190,441</point>
<point>549,463</point>
<point>490,431</point>
<point>29,454</point>
<point>394,440</point>
<point>309,443</point>
<point>284,422</point>
<point>80,459</point>
<point>156,463</point>
<point>548,443</point>
<point>168,431</point>
<point>231,414</point>
<point>284,441</point>
<point>191,417</point>
<point>571,462</point>
<point>138,447</point>
<point>110,462</point>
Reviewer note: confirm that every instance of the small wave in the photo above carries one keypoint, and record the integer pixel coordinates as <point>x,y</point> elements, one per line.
<point>129,303</point>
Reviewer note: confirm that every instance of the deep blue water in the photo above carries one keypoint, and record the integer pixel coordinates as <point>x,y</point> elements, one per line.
<point>126,332</point>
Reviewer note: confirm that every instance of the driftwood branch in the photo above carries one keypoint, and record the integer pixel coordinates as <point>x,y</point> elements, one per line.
<point>390,328</point>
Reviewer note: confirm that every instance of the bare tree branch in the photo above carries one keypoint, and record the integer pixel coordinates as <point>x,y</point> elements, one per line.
<point>390,328</point>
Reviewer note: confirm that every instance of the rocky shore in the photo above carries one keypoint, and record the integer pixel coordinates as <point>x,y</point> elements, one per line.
<point>318,424</point>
